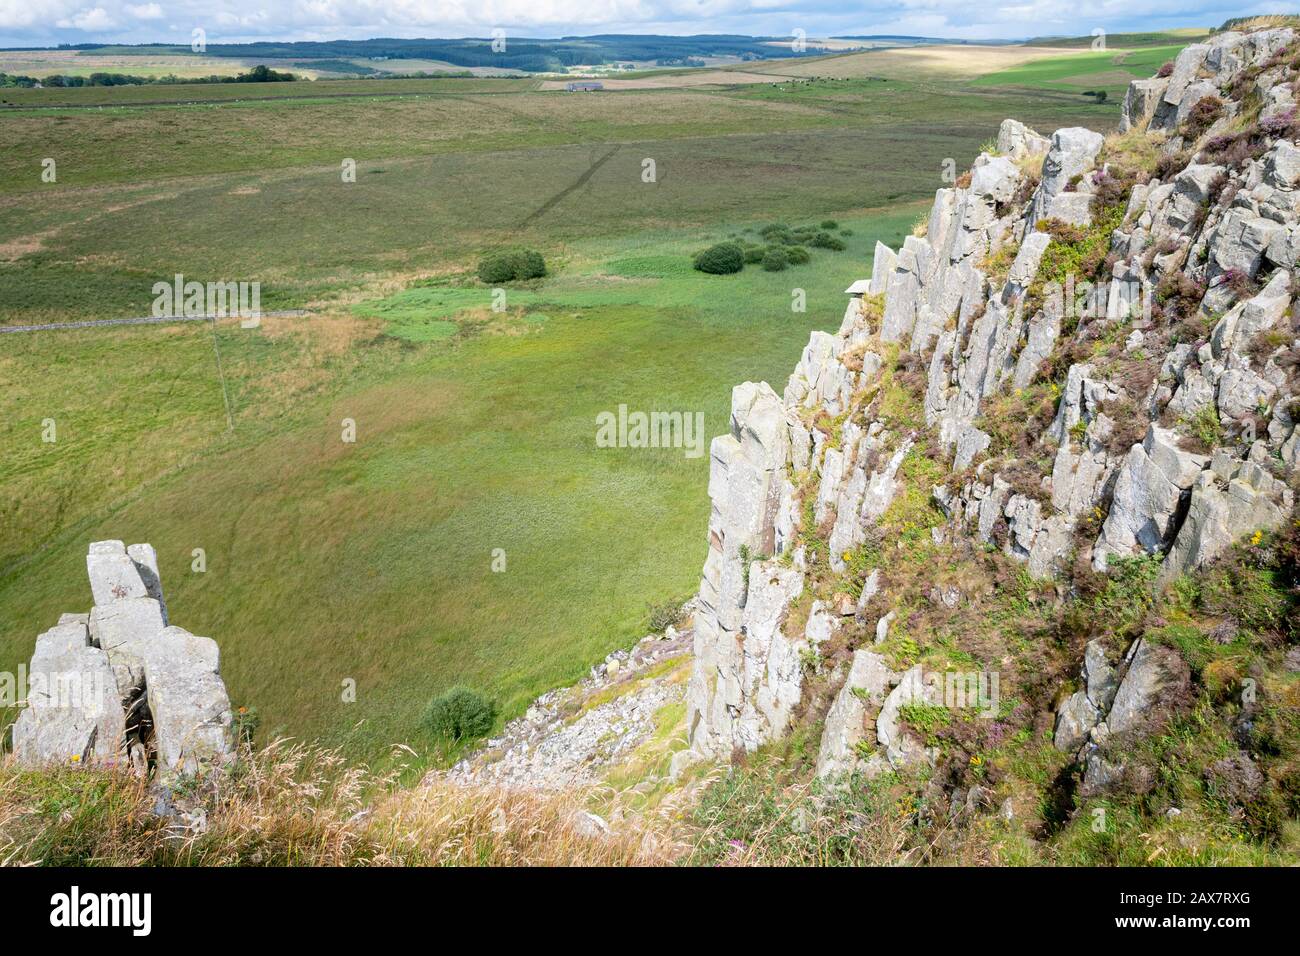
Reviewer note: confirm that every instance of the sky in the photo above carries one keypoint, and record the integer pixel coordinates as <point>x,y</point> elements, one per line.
<point>48,22</point>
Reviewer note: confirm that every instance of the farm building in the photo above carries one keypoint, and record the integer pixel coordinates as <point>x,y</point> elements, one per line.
<point>586,86</point>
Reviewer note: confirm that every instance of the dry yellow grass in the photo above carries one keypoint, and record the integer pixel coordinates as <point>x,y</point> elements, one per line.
<point>673,80</point>
<point>41,63</point>
<point>291,805</point>
<point>941,61</point>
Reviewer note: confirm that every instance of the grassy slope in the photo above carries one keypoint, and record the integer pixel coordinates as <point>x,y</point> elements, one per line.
<point>371,561</point>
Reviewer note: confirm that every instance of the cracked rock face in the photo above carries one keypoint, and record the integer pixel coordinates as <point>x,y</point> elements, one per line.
<point>1155,479</point>
<point>120,684</point>
<point>855,706</point>
<point>1218,445</point>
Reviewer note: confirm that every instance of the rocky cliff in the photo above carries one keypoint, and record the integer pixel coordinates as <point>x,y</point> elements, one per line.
<point>1085,360</point>
<point>120,684</point>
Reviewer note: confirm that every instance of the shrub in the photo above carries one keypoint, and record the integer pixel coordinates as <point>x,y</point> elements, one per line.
<point>665,615</point>
<point>509,265</point>
<point>721,259</point>
<point>824,240</point>
<point>1166,69</point>
<point>1130,589</point>
<point>797,255</point>
<point>1170,165</point>
<point>830,224</point>
<point>775,259</point>
<point>1240,282</point>
<point>460,714</point>
<point>1202,117</point>
<point>1206,431</point>
<point>1180,294</point>
<point>754,254</point>
<point>1112,188</point>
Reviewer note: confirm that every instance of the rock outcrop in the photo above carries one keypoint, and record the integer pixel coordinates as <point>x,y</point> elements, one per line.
<point>1166,441</point>
<point>120,683</point>
<point>1117,700</point>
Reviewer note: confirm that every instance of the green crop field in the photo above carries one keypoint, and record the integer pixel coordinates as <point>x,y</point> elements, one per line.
<point>1110,70</point>
<point>475,430</point>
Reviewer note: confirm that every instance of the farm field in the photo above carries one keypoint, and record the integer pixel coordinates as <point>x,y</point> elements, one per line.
<point>475,430</point>
<point>1110,70</point>
<point>943,61</point>
<point>163,62</point>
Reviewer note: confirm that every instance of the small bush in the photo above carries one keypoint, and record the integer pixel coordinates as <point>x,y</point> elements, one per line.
<point>797,255</point>
<point>1179,294</point>
<point>721,259</point>
<point>1203,115</point>
<point>754,254</point>
<point>1206,433</point>
<point>1166,69</point>
<point>829,224</point>
<point>775,259</point>
<point>1240,282</point>
<point>665,615</point>
<point>510,265</point>
<point>824,240</point>
<point>460,714</point>
<point>1170,165</point>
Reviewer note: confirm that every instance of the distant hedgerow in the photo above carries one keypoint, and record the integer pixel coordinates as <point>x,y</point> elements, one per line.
<point>510,265</point>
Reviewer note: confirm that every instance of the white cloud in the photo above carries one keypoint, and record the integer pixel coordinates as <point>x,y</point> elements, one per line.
<point>91,21</point>
<point>42,22</point>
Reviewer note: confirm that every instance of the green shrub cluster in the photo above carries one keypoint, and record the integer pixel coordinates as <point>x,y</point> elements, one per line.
<point>460,714</point>
<point>721,259</point>
<point>511,265</point>
<point>782,246</point>
<point>775,259</point>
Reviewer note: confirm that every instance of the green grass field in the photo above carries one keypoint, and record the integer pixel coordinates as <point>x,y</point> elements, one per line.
<point>475,430</point>
<point>1110,70</point>
<point>372,561</point>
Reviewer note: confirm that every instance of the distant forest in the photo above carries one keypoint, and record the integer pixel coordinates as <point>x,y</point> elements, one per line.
<point>521,53</point>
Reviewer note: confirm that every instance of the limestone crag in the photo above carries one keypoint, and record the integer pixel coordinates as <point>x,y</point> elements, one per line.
<point>120,683</point>
<point>1172,362</point>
